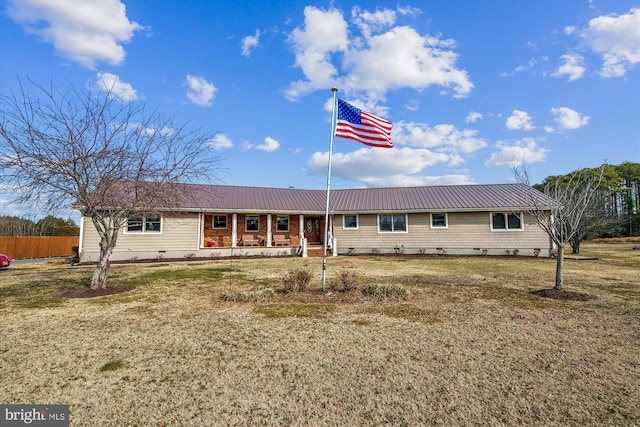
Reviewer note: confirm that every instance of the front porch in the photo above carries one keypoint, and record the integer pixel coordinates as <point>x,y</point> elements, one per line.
<point>231,234</point>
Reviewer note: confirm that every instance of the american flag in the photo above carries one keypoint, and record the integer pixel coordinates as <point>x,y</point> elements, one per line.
<point>363,127</point>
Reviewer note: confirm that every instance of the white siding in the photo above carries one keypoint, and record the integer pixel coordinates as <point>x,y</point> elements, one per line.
<point>467,232</point>
<point>179,237</point>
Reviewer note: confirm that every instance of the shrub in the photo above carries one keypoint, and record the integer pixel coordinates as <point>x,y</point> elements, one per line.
<point>296,279</point>
<point>385,291</point>
<point>347,280</point>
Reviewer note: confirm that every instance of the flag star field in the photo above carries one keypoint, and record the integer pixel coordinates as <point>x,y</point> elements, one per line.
<point>472,88</point>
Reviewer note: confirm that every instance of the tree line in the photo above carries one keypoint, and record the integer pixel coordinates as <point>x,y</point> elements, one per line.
<point>614,211</point>
<point>48,226</point>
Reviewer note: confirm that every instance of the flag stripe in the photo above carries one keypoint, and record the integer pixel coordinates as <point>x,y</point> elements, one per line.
<point>365,141</point>
<point>364,133</point>
<point>363,127</point>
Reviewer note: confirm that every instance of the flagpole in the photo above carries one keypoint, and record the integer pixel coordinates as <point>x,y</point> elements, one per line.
<point>326,211</point>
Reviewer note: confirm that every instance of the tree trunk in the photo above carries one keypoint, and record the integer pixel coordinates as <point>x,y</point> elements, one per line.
<point>559,267</point>
<point>107,244</point>
<point>99,277</point>
<point>575,246</point>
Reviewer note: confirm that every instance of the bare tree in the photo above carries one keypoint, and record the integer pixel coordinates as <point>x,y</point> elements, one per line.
<point>99,154</point>
<point>597,220</point>
<point>563,219</point>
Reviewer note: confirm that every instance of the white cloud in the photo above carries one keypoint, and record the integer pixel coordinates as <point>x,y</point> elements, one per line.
<point>520,68</point>
<point>413,105</point>
<point>418,180</point>
<point>382,167</point>
<point>573,67</point>
<point>523,151</point>
<point>269,145</point>
<point>423,147</point>
<point>443,138</point>
<point>220,141</point>
<point>403,58</point>
<point>473,117</point>
<point>519,120</point>
<point>324,33</point>
<point>617,39</point>
<point>249,42</point>
<point>569,119</point>
<point>87,32</point>
<point>163,131</point>
<point>378,60</point>
<point>200,91</point>
<point>369,22</point>
<point>111,83</point>
<point>409,11</point>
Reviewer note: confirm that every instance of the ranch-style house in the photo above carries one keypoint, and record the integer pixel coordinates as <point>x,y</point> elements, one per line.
<point>216,220</point>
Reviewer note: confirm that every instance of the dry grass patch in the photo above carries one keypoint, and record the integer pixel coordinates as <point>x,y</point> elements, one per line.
<point>220,343</point>
<point>295,310</point>
<point>406,311</point>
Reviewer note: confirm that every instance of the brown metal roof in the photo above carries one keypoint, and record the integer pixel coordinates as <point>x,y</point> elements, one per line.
<point>439,198</point>
<point>403,199</point>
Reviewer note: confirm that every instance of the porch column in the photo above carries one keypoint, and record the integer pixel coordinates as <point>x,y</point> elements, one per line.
<point>234,230</point>
<point>303,241</point>
<point>301,229</point>
<point>268,229</point>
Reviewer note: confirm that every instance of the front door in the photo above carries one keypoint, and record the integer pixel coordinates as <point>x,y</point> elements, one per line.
<point>313,230</point>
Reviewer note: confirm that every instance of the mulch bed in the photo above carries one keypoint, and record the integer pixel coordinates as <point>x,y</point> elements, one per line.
<point>562,295</point>
<point>92,293</point>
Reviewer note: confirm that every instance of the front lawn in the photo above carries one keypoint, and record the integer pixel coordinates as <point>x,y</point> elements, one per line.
<point>398,340</point>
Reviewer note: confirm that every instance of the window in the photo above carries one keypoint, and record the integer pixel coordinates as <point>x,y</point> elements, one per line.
<point>219,221</point>
<point>134,224</point>
<point>152,224</point>
<point>350,221</point>
<point>392,223</point>
<point>439,220</point>
<point>252,223</point>
<point>282,223</point>
<point>144,224</point>
<point>506,221</point>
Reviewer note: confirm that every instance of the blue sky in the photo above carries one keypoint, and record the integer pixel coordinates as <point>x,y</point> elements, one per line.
<point>470,86</point>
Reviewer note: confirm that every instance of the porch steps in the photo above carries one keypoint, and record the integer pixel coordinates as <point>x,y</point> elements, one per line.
<point>314,251</point>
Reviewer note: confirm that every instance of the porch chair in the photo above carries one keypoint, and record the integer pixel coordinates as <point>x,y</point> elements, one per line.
<point>250,240</point>
<point>281,240</point>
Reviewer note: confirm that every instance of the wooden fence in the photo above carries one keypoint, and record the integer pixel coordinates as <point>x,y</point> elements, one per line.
<point>37,247</point>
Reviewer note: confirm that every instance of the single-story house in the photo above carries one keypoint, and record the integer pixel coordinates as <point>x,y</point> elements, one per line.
<point>220,220</point>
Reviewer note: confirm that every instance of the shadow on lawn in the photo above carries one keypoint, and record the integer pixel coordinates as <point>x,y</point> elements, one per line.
<point>562,295</point>
<point>92,293</point>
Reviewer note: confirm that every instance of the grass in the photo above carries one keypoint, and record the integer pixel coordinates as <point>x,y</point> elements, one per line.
<point>459,341</point>
<point>294,310</point>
